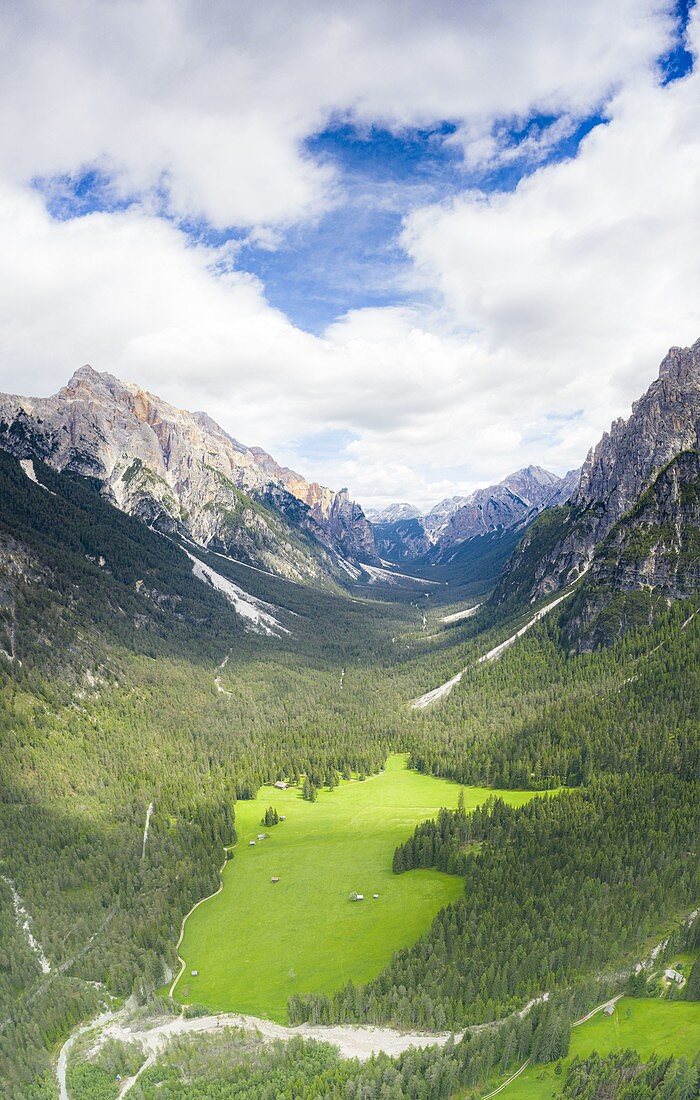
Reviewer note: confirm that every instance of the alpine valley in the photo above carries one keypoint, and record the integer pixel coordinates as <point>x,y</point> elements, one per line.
<point>301,802</point>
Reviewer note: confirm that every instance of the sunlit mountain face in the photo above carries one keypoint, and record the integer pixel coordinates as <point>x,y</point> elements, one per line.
<point>349,549</point>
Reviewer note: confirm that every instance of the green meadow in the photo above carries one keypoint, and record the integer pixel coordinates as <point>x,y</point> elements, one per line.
<point>258,942</point>
<point>650,1027</point>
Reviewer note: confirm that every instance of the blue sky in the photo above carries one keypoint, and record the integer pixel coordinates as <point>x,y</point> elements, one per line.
<point>350,257</point>
<point>405,246</point>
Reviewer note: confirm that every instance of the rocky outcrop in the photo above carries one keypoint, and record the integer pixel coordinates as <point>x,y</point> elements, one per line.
<point>608,514</point>
<point>181,472</point>
<point>664,422</point>
<point>566,488</point>
<point>651,557</point>
<point>403,540</point>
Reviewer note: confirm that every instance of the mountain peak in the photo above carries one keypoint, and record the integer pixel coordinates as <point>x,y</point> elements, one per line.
<point>682,365</point>
<point>91,377</point>
<point>182,472</point>
<point>663,424</point>
<point>393,513</point>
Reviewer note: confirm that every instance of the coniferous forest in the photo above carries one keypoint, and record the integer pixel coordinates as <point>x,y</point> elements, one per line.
<point>125,682</point>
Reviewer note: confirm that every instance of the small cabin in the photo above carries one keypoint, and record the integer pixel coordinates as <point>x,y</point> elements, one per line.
<point>357,897</point>
<point>375,896</point>
<point>283,817</point>
<point>262,836</point>
<point>673,976</point>
<point>251,843</point>
<point>275,878</point>
<point>609,1009</point>
<point>194,973</point>
<point>281,785</point>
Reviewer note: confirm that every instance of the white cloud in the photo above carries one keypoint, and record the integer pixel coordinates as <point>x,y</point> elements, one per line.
<point>213,101</point>
<point>551,305</point>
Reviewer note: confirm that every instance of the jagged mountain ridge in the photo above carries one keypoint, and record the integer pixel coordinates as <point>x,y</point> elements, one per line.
<point>632,526</point>
<point>392,513</point>
<point>497,506</point>
<point>182,473</point>
<point>651,556</point>
<point>511,504</point>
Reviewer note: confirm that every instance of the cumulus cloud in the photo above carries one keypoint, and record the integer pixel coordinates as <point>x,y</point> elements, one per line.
<point>549,306</point>
<point>211,103</point>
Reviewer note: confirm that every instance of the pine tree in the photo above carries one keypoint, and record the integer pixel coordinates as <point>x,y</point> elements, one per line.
<point>309,791</point>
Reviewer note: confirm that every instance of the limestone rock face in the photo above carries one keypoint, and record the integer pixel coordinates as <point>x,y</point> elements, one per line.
<point>402,540</point>
<point>565,489</point>
<point>516,499</point>
<point>664,422</point>
<point>393,513</point>
<point>650,557</point>
<point>181,472</point>
<point>616,475</point>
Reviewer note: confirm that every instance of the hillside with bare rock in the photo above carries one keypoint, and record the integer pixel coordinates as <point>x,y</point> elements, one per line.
<point>180,472</point>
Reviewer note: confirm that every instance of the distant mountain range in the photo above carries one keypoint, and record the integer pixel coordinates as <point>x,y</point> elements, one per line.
<point>180,472</point>
<point>627,526</point>
<point>403,534</point>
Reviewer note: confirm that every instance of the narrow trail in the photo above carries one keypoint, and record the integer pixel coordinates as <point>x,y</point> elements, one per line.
<point>146,828</point>
<point>596,1010</point>
<point>508,1081</point>
<point>186,917</point>
<point>576,1023</point>
<point>440,692</point>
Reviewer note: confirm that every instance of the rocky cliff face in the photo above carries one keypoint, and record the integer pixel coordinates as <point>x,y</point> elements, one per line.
<point>402,540</point>
<point>180,471</point>
<point>664,422</point>
<point>605,509</point>
<point>514,501</point>
<point>566,489</point>
<point>651,557</point>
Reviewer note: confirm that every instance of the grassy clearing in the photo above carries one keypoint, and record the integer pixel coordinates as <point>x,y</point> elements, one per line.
<point>649,1027</point>
<point>256,943</point>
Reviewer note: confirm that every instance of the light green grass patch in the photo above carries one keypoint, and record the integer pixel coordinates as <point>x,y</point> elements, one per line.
<point>648,1026</point>
<point>255,943</point>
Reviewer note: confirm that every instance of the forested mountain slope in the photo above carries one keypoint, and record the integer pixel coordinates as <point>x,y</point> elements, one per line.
<point>131,675</point>
<point>180,472</point>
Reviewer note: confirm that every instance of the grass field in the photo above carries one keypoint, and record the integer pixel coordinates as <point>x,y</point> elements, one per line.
<point>256,943</point>
<point>649,1027</point>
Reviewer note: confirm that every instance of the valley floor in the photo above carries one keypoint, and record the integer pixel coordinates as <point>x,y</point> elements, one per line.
<point>284,922</point>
